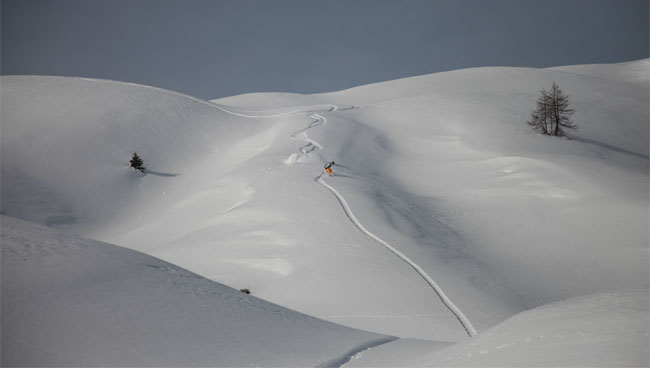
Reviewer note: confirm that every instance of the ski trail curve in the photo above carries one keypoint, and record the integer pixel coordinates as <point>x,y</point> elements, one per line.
<point>248,115</point>
<point>343,359</point>
<point>464,321</point>
<point>310,147</point>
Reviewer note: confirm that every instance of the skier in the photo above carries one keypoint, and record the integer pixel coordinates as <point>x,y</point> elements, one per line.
<point>328,167</point>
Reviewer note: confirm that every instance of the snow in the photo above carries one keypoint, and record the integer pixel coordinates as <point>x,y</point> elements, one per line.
<point>397,353</point>
<point>68,147</point>
<point>600,330</point>
<point>439,188</point>
<point>68,301</point>
<point>467,325</point>
<point>633,72</point>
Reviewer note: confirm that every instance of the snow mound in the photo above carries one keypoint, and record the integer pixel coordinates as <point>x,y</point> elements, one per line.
<point>601,330</point>
<point>69,301</point>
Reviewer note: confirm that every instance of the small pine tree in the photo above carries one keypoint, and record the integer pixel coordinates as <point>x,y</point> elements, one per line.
<point>136,162</point>
<point>552,113</point>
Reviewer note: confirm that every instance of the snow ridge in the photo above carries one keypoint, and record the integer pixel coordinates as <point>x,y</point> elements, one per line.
<point>248,115</point>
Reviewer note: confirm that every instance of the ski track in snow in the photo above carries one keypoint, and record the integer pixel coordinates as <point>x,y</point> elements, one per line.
<point>464,321</point>
<point>293,112</point>
<point>345,358</point>
<point>310,147</point>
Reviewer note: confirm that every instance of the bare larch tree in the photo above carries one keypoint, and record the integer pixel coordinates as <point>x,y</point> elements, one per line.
<point>552,114</point>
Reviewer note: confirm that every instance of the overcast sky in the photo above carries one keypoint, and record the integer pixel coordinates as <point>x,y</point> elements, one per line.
<point>219,48</point>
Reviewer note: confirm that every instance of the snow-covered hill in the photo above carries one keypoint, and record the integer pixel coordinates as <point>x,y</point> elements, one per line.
<point>65,141</point>
<point>600,330</point>
<point>69,301</point>
<point>446,214</point>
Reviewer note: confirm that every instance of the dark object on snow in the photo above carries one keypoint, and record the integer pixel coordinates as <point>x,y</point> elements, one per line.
<point>552,113</point>
<point>136,162</point>
<point>245,291</point>
<point>328,167</point>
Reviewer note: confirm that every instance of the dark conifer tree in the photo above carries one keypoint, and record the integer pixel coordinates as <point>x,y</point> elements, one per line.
<point>136,162</point>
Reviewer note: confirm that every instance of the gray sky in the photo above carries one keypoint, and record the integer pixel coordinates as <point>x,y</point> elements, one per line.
<point>219,48</point>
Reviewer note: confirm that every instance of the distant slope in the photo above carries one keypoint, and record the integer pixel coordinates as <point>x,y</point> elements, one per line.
<point>635,72</point>
<point>264,100</point>
<point>68,301</point>
<point>66,145</point>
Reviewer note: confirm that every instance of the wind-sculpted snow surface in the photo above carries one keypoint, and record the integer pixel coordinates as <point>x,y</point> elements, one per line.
<point>69,301</point>
<point>442,167</point>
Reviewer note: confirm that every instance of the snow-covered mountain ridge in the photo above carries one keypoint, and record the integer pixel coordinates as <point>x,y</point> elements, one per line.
<point>440,168</point>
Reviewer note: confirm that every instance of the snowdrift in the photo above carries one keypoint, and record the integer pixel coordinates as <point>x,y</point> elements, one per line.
<point>69,301</point>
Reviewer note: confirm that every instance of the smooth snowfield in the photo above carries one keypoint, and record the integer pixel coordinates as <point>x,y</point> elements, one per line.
<point>70,301</point>
<point>442,168</point>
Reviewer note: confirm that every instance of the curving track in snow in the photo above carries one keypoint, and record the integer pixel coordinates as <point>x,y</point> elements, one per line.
<point>248,114</point>
<point>464,321</point>
<point>462,318</point>
<point>311,146</point>
<point>343,359</point>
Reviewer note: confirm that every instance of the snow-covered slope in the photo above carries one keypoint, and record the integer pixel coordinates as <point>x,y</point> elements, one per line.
<point>635,72</point>
<point>446,213</point>
<point>605,330</point>
<point>69,301</point>
<point>601,330</point>
<point>448,161</point>
<point>66,144</point>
